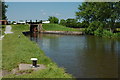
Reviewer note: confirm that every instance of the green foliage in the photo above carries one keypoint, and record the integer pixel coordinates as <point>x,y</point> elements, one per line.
<point>107,12</point>
<point>56,27</point>
<point>71,22</point>
<point>116,35</point>
<point>4,10</point>
<point>98,32</point>
<point>85,24</point>
<point>53,19</point>
<point>93,27</point>
<point>117,24</point>
<point>13,22</point>
<point>2,30</point>
<point>107,33</point>
<point>63,22</point>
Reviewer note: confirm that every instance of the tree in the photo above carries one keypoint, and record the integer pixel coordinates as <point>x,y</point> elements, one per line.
<point>4,9</point>
<point>63,22</point>
<point>53,19</point>
<point>105,12</point>
<point>13,22</point>
<point>71,22</point>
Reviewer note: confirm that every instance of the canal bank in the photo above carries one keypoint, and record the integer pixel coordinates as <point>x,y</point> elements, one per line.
<point>82,56</point>
<point>62,32</point>
<point>85,56</point>
<point>19,49</point>
<point>54,29</point>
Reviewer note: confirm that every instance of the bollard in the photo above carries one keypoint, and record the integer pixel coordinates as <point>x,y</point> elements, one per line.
<point>34,62</point>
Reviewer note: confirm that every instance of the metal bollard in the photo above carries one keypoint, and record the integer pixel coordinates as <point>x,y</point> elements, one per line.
<point>34,62</point>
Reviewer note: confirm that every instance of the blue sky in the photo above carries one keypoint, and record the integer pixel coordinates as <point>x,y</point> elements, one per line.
<point>41,10</point>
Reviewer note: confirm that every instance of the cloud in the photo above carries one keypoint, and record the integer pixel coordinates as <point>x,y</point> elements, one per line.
<point>57,14</point>
<point>41,10</point>
<point>44,13</point>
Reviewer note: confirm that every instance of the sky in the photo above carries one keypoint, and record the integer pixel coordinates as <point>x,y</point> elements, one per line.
<point>41,10</point>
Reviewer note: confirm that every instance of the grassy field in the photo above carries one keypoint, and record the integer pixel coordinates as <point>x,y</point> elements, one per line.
<point>56,27</point>
<point>20,50</point>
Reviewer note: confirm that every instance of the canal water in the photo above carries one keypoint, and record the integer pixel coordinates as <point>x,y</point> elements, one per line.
<point>82,56</point>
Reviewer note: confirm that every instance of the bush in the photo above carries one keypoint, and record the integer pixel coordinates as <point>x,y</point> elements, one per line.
<point>71,22</point>
<point>92,27</point>
<point>107,33</point>
<point>53,19</point>
<point>85,24</point>
<point>98,32</point>
<point>95,27</point>
<point>116,35</point>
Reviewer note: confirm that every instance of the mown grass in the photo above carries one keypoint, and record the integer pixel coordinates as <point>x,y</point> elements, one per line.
<point>20,50</point>
<point>57,27</point>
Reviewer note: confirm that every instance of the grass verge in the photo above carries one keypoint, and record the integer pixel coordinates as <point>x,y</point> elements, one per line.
<point>19,50</point>
<point>57,27</point>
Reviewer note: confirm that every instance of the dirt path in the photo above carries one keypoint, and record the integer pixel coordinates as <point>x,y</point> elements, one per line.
<point>22,69</point>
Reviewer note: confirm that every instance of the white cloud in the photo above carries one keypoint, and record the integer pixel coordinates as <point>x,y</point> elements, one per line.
<point>44,13</point>
<point>41,10</point>
<point>57,14</point>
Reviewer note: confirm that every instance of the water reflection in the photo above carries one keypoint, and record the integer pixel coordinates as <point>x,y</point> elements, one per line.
<point>82,56</point>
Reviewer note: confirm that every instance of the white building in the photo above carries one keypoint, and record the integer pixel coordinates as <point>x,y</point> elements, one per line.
<point>21,22</point>
<point>45,22</point>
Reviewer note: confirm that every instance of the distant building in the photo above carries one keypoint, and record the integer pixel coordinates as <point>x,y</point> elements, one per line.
<point>15,23</point>
<point>21,22</point>
<point>45,22</point>
<point>3,22</point>
<point>9,22</point>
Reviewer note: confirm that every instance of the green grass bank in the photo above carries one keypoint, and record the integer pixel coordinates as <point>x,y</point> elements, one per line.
<point>57,27</point>
<point>17,50</point>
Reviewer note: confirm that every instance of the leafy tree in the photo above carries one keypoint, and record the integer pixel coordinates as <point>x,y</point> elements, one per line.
<point>71,22</point>
<point>78,25</point>
<point>63,22</point>
<point>53,19</point>
<point>105,12</point>
<point>93,27</point>
<point>13,22</point>
<point>85,24</point>
<point>4,9</point>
